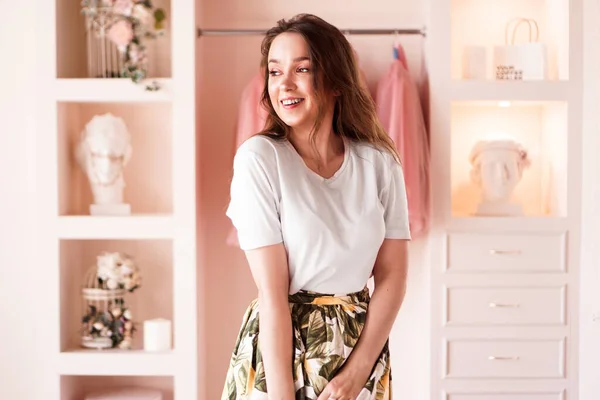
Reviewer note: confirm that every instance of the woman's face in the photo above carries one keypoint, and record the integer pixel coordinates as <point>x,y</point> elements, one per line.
<point>291,88</point>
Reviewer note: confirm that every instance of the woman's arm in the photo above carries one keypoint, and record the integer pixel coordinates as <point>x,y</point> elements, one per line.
<point>390,273</point>
<point>270,272</point>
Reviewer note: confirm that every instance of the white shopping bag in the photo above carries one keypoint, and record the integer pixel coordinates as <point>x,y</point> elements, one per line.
<point>526,61</point>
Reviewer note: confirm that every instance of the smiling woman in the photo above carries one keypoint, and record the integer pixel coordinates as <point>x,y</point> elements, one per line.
<point>319,203</point>
<point>291,86</point>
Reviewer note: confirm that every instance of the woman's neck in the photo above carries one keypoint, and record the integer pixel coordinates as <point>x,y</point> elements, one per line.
<point>328,145</point>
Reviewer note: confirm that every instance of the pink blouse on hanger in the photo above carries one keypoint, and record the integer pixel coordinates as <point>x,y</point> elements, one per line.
<point>251,114</point>
<point>251,119</point>
<point>400,112</point>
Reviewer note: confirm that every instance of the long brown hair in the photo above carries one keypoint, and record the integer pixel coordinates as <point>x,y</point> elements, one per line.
<point>335,70</point>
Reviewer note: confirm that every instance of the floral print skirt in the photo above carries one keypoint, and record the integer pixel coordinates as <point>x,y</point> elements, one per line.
<point>326,328</point>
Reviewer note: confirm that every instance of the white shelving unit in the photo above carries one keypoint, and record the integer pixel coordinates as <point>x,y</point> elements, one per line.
<point>132,227</point>
<point>504,290</point>
<point>509,91</point>
<point>161,232</point>
<point>111,90</point>
<point>114,362</point>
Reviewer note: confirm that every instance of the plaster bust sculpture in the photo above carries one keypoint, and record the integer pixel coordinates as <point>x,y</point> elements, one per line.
<point>103,152</point>
<point>497,168</point>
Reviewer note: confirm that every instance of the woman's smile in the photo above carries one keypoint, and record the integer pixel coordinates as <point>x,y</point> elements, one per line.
<point>290,103</point>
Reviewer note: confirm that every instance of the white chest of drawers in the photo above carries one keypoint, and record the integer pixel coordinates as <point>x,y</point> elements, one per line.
<point>502,316</point>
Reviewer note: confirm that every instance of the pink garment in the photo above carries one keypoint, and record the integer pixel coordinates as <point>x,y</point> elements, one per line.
<point>400,112</point>
<point>251,114</point>
<point>251,119</point>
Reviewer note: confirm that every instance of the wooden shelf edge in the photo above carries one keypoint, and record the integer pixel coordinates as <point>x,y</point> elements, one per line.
<point>116,363</point>
<point>126,227</point>
<point>111,90</point>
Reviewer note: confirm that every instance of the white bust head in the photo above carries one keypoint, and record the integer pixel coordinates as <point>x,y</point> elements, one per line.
<point>497,167</point>
<point>105,149</point>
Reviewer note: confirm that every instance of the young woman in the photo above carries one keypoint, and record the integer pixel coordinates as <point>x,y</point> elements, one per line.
<point>319,203</point>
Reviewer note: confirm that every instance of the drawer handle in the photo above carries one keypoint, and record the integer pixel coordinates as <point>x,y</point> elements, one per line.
<point>501,305</point>
<point>504,252</point>
<point>503,358</point>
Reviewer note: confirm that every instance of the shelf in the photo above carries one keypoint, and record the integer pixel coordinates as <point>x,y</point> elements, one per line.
<point>508,224</point>
<point>77,386</point>
<point>540,128</point>
<point>153,299</point>
<point>509,91</point>
<point>482,23</point>
<point>116,362</point>
<point>128,227</point>
<point>72,44</point>
<point>148,172</point>
<point>111,90</point>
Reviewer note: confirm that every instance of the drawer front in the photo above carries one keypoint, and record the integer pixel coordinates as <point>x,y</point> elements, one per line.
<point>482,252</point>
<point>473,358</point>
<point>505,396</point>
<point>505,306</point>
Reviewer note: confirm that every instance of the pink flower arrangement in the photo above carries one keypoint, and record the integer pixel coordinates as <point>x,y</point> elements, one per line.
<point>128,24</point>
<point>123,7</point>
<point>121,33</point>
<point>108,328</point>
<point>118,271</point>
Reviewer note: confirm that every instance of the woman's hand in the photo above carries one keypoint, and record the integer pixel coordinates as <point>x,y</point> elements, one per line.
<point>346,385</point>
<point>390,273</point>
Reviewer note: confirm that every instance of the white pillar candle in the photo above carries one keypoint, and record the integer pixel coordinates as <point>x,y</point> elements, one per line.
<point>157,334</point>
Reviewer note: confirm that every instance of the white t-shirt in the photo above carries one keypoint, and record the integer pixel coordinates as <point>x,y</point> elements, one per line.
<point>332,228</point>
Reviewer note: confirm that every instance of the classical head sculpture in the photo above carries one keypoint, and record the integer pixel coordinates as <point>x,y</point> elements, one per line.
<point>497,167</point>
<point>103,152</point>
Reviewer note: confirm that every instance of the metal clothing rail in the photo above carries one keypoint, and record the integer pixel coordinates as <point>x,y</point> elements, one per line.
<point>231,32</point>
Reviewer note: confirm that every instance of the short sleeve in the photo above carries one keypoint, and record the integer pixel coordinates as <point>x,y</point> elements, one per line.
<point>254,205</point>
<point>395,205</point>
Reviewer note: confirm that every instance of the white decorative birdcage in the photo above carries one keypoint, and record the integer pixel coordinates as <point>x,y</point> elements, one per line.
<point>104,58</point>
<point>116,36</point>
<point>107,321</point>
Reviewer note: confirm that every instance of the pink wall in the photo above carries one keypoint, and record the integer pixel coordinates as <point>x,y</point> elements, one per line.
<point>225,65</point>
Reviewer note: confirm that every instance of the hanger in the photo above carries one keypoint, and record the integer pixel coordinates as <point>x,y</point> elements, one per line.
<point>396,44</point>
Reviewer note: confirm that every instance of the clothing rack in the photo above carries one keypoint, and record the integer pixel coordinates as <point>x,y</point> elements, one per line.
<point>231,32</point>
